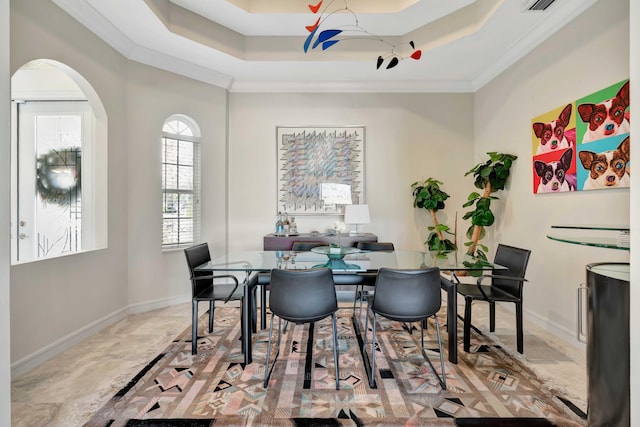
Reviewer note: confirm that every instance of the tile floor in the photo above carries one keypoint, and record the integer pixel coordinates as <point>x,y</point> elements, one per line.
<point>66,390</point>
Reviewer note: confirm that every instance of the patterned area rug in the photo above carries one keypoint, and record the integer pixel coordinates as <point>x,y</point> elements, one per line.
<point>215,388</point>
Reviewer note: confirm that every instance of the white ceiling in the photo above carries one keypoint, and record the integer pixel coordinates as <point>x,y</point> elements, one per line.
<point>257,45</point>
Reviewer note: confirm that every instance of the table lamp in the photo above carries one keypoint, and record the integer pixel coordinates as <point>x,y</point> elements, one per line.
<point>356,214</point>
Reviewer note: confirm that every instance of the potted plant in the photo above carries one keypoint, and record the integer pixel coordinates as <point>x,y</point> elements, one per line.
<point>490,176</point>
<point>428,195</point>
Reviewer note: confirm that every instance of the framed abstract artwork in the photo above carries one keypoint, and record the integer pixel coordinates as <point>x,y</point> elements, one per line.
<point>319,168</point>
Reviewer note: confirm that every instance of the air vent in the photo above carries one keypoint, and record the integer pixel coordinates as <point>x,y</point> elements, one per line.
<point>538,5</point>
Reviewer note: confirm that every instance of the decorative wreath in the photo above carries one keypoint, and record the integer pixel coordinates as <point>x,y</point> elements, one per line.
<point>58,175</point>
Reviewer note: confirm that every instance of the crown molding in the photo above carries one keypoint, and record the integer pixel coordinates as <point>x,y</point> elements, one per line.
<point>84,13</point>
<point>527,43</point>
<point>399,86</point>
<point>226,76</point>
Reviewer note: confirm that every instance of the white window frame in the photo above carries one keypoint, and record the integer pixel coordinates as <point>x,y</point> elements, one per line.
<point>195,139</point>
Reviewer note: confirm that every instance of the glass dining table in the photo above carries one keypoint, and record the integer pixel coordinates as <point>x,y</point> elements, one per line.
<point>254,266</point>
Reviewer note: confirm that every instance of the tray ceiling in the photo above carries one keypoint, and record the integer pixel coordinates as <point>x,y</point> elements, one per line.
<point>257,45</point>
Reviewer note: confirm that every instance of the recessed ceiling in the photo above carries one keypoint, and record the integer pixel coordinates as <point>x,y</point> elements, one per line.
<point>258,45</point>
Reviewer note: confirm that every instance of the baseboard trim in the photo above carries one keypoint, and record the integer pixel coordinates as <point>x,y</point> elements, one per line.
<point>559,331</point>
<point>156,304</point>
<point>40,356</point>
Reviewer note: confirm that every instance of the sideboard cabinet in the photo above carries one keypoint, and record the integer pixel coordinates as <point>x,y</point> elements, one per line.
<point>273,242</point>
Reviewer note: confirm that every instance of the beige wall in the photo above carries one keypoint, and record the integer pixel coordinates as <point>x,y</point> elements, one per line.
<point>57,301</point>
<point>156,278</point>
<point>548,78</point>
<point>408,138</point>
<point>54,298</point>
<point>5,356</point>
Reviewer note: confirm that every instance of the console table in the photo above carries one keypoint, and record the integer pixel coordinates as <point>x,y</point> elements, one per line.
<point>273,242</point>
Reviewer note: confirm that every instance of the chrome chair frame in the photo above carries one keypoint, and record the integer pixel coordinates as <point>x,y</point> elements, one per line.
<point>386,278</point>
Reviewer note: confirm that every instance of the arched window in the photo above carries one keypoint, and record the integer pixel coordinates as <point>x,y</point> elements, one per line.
<point>180,182</point>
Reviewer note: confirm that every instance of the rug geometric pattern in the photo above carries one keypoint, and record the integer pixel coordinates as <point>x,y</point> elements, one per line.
<point>215,387</point>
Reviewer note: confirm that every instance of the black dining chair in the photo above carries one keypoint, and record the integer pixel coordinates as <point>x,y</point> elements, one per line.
<point>505,286</point>
<point>368,280</point>
<point>302,246</point>
<point>208,287</point>
<point>302,296</point>
<point>406,296</point>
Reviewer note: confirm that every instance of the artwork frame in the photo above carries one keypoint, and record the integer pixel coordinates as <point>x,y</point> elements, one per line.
<point>308,156</point>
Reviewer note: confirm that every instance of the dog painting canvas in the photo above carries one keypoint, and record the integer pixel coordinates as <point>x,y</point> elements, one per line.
<point>555,172</point>
<point>604,114</point>
<point>584,144</point>
<point>605,163</point>
<point>554,131</point>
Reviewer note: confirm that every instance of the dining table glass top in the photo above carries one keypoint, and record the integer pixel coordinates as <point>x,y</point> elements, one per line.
<point>353,262</point>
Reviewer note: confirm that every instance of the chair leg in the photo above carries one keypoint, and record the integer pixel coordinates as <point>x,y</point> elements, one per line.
<point>372,381</point>
<point>194,326</point>
<point>365,332</point>
<point>241,322</point>
<point>492,316</point>
<point>211,311</point>
<point>267,369</point>
<point>335,349</point>
<point>467,324</point>
<point>443,377</point>
<point>355,299</point>
<point>254,311</point>
<point>519,328</point>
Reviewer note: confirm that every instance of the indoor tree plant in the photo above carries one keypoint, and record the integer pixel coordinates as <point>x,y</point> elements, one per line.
<point>490,176</point>
<point>428,195</point>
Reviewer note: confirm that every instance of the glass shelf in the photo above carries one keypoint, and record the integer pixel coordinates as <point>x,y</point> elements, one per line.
<point>600,242</point>
<point>608,227</point>
<point>609,242</point>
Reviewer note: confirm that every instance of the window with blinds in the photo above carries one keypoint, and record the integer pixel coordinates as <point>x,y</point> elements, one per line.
<point>180,183</point>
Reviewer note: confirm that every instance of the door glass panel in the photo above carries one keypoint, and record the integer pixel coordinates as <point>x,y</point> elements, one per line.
<point>58,206</point>
<point>49,186</point>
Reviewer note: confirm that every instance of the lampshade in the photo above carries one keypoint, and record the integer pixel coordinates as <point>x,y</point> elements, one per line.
<point>356,214</point>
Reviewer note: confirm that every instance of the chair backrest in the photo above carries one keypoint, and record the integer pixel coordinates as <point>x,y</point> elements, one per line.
<point>303,246</point>
<point>407,295</point>
<point>516,260</point>
<point>197,255</point>
<point>302,296</point>
<point>376,246</point>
